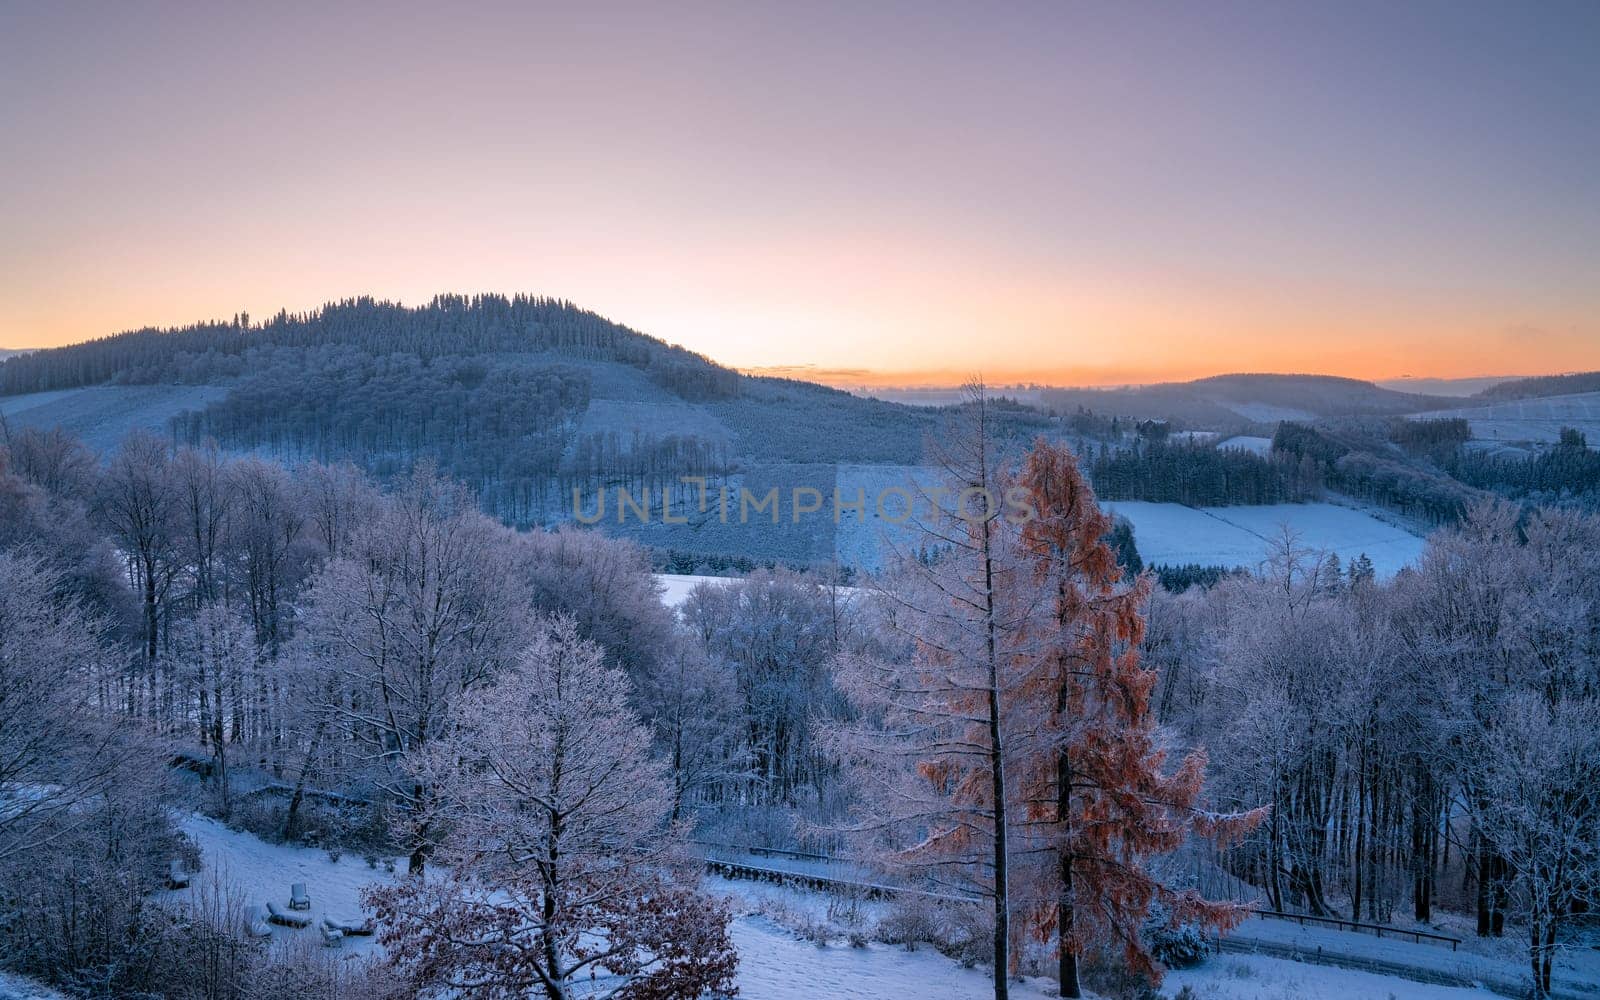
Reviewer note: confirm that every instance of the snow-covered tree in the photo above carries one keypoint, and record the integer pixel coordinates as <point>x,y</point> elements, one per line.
<point>931,751</point>
<point>53,753</point>
<point>1538,781</point>
<point>562,879</point>
<point>421,609</point>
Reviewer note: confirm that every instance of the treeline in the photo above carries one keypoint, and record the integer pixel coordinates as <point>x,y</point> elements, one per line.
<point>1567,473</point>
<point>1197,474</point>
<point>1383,480</point>
<point>1423,742</point>
<point>449,325</point>
<point>1543,385</point>
<point>1177,579</point>
<point>1431,435</point>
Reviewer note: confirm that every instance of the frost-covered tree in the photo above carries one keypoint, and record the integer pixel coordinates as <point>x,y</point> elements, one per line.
<point>138,502</point>
<point>53,753</point>
<point>1538,778</point>
<point>218,647</point>
<point>421,609</point>
<point>938,727</point>
<point>562,880</point>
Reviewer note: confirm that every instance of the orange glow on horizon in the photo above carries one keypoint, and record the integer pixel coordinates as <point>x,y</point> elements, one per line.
<point>1124,195</point>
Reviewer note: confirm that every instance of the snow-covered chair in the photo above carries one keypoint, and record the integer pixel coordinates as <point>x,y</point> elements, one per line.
<point>255,924</point>
<point>287,918</point>
<point>299,899</point>
<point>351,928</point>
<point>332,936</point>
<point>177,875</point>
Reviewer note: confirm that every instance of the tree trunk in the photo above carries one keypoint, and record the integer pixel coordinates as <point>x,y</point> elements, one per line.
<point>1067,956</point>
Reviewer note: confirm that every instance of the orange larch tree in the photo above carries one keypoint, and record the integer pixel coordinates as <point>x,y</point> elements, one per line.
<point>1099,801</point>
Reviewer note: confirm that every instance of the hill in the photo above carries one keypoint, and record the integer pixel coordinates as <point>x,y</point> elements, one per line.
<point>1228,402</point>
<point>530,401</point>
<point>1540,386</point>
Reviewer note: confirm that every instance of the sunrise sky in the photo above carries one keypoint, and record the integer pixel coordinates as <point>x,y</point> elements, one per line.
<point>1063,192</point>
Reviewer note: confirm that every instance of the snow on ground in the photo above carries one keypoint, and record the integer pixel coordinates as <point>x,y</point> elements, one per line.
<point>14,987</point>
<point>773,963</point>
<point>676,586</point>
<point>260,871</point>
<point>776,965</point>
<point>1175,535</point>
<point>1266,413</point>
<point>1530,419</point>
<point>101,415</point>
<point>1246,442</point>
<point>1574,970</point>
<point>1256,977</point>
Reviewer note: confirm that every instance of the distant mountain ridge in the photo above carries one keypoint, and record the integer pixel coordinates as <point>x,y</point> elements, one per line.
<point>1540,386</point>
<point>1223,400</point>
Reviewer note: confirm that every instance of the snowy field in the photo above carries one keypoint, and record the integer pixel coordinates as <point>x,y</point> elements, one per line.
<point>1531,419</point>
<point>870,539</point>
<point>1266,413</point>
<point>1175,535</point>
<point>676,586</point>
<point>260,872</point>
<point>1246,442</point>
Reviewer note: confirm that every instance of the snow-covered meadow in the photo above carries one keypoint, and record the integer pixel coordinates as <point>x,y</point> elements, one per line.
<point>1175,535</point>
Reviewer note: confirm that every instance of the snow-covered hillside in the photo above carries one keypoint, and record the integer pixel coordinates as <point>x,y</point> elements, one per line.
<point>1539,419</point>
<point>1174,535</point>
<point>101,415</point>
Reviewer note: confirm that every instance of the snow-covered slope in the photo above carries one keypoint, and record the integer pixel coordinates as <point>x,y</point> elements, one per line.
<point>1174,535</point>
<point>17,988</point>
<point>676,586</point>
<point>1538,419</point>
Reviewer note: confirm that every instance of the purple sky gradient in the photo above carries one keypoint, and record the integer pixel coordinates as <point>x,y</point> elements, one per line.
<point>1073,192</point>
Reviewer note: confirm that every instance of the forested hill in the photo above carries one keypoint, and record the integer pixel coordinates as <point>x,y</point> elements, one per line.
<point>448,326</point>
<point>525,399</point>
<point>1539,386</point>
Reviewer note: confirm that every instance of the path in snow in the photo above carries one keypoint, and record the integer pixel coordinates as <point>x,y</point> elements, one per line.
<point>1256,977</point>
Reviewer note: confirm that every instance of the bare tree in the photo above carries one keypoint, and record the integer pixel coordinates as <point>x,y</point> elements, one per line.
<point>933,745</point>
<point>53,752</point>
<point>562,877</point>
<point>138,501</point>
<point>421,609</point>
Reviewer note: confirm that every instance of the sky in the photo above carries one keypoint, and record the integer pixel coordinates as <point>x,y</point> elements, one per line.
<point>1074,193</point>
